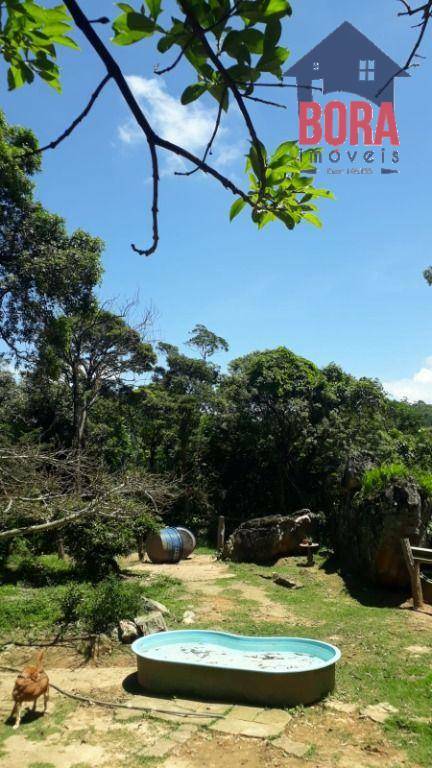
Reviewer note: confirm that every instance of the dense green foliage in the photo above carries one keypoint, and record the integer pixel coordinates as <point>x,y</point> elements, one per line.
<point>270,434</point>
<point>377,479</point>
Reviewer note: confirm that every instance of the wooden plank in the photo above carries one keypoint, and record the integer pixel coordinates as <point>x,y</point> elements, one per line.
<point>422,555</point>
<point>421,550</point>
<point>414,574</point>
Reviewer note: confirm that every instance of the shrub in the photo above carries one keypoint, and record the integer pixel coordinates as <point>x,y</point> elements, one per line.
<point>378,478</point>
<point>101,607</point>
<point>95,546</point>
<point>71,603</point>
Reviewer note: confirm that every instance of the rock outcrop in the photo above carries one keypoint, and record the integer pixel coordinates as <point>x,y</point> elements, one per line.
<point>266,539</point>
<point>367,530</point>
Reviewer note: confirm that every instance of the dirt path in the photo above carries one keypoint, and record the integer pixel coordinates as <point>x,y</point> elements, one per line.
<point>215,591</point>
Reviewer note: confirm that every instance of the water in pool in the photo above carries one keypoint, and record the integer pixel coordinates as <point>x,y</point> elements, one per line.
<point>217,655</point>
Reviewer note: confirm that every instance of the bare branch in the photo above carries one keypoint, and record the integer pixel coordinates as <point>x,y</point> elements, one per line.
<point>115,72</point>
<point>76,122</point>
<point>175,62</point>
<point>211,141</point>
<point>155,210</point>
<point>411,11</point>
<point>265,101</point>
<point>426,10</point>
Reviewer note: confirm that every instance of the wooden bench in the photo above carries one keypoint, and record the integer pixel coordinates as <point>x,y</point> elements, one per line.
<point>414,557</point>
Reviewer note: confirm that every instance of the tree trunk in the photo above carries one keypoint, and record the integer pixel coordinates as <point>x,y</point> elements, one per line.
<point>60,548</point>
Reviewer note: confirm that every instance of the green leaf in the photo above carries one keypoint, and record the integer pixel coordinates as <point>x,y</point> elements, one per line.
<point>15,78</point>
<point>257,162</point>
<point>220,93</point>
<point>286,148</point>
<point>67,41</point>
<point>155,7</point>
<point>131,27</point>
<point>236,207</point>
<point>236,41</point>
<point>313,219</point>
<point>193,92</point>
<point>264,10</point>
<point>272,35</point>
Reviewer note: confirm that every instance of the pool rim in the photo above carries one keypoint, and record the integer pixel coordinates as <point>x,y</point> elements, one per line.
<point>322,665</point>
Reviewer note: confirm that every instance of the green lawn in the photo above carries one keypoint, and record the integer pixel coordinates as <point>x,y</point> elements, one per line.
<point>375,665</point>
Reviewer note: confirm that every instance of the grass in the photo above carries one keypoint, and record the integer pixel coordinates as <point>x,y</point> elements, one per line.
<point>373,635</point>
<point>28,612</point>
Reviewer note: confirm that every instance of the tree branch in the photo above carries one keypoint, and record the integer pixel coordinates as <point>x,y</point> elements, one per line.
<point>201,33</point>
<point>76,122</point>
<point>264,101</point>
<point>155,210</point>
<point>175,62</point>
<point>52,525</point>
<point>210,143</point>
<point>115,72</point>
<point>426,10</point>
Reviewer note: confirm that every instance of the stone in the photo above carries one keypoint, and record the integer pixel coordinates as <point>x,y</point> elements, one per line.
<point>115,634</point>
<point>341,706</point>
<point>243,712</point>
<point>266,539</point>
<point>274,717</point>
<point>379,713</point>
<point>246,728</point>
<point>128,632</point>
<point>367,529</point>
<point>291,748</point>
<point>149,605</point>
<point>188,617</point>
<point>150,623</point>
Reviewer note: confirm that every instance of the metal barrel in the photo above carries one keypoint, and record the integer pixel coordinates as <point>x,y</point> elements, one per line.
<point>166,546</point>
<point>189,540</point>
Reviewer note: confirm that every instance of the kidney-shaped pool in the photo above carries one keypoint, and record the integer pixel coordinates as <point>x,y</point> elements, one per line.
<point>271,671</point>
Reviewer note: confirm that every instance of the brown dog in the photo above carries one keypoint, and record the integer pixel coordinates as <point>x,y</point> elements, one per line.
<point>31,683</point>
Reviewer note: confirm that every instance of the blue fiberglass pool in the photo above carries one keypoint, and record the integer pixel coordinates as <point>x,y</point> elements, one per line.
<point>282,671</point>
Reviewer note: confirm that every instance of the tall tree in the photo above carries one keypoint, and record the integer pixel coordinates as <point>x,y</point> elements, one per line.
<point>206,342</point>
<point>91,351</point>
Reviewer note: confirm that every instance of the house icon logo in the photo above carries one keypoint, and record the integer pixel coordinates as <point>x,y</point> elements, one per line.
<point>347,61</point>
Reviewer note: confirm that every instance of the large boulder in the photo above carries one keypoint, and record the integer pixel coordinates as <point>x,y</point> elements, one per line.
<point>265,539</point>
<point>150,623</point>
<point>368,530</point>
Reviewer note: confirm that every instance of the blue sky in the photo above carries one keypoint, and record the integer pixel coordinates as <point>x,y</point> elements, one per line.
<point>352,292</point>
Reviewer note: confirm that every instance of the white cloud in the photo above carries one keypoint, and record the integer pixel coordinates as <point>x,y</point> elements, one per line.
<point>190,126</point>
<point>418,387</point>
